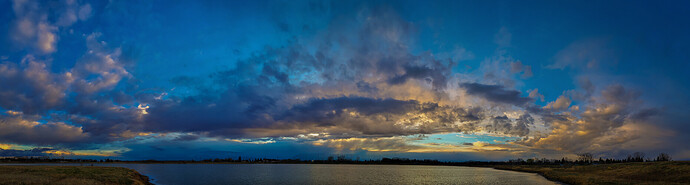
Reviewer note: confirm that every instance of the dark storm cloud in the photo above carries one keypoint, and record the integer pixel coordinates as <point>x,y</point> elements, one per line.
<point>363,105</point>
<point>366,87</point>
<point>646,114</point>
<point>496,93</point>
<point>504,125</point>
<point>618,94</point>
<point>435,77</point>
<point>202,113</point>
<point>342,115</point>
<point>26,153</point>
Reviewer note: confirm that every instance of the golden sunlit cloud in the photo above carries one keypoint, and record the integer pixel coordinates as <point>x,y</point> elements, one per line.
<point>99,153</point>
<point>13,113</point>
<point>6,146</point>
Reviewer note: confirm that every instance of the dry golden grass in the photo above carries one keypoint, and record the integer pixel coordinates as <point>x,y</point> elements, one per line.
<point>623,173</point>
<point>70,175</point>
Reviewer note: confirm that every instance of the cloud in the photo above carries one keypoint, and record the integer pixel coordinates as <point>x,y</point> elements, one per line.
<point>32,152</point>
<point>33,87</point>
<point>32,27</point>
<point>52,152</point>
<point>584,54</point>
<point>46,38</point>
<point>436,78</point>
<point>496,93</point>
<point>501,68</point>
<point>608,125</point>
<point>563,102</point>
<point>534,94</point>
<point>84,12</point>
<point>503,37</point>
<point>373,85</point>
<point>336,116</point>
<point>70,96</point>
<point>458,54</point>
<point>187,137</point>
<point>517,67</point>
<point>99,68</point>
<point>618,94</point>
<point>393,144</point>
<point>368,86</point>
<point>356,115</point>
<point>17,129</point>
<point>252,141</point>
<point>401,145</point>
<point>503,125</point>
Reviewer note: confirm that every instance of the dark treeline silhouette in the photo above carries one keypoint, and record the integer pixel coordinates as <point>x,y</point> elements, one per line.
<point>331,160</point>
<point>587,158</point>
<point>46,159</point>
<point>582,159</point>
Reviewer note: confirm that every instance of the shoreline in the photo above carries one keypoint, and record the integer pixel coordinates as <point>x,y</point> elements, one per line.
<point>675,172</point>
<point>55,174</point>
<point>141,177</point>
<point>537,173</point>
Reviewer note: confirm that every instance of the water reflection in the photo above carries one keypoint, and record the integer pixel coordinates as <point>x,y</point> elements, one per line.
<point>171,174</point>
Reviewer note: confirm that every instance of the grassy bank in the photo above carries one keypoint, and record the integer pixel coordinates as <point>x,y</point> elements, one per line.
<point>70,175</point>
<point>622,173</point>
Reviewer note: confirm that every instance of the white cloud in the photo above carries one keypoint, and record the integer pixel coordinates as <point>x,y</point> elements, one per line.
<point>46,38</point>
<point>101,61</point>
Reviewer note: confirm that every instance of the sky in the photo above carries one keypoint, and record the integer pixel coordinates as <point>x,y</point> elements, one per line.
<point>447,80</point>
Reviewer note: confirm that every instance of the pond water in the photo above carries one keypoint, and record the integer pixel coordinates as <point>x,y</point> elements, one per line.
<point>171,174</point>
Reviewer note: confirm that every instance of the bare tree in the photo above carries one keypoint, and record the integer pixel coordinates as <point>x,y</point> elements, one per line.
<point>586,157</point>
<point>663,157</point>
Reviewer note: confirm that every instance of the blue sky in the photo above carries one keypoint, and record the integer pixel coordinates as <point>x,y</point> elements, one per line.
<point>451,80</point>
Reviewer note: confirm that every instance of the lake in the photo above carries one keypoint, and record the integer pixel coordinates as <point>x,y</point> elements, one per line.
<point>187,174</point>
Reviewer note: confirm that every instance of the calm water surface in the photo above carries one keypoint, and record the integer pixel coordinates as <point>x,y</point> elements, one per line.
<point>169,174</point>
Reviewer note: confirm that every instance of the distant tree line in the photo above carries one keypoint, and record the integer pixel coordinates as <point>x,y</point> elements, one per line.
<point>588,158</point>
<point>46,159</point>
<point>330,160</point>
<point>583,158</point>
